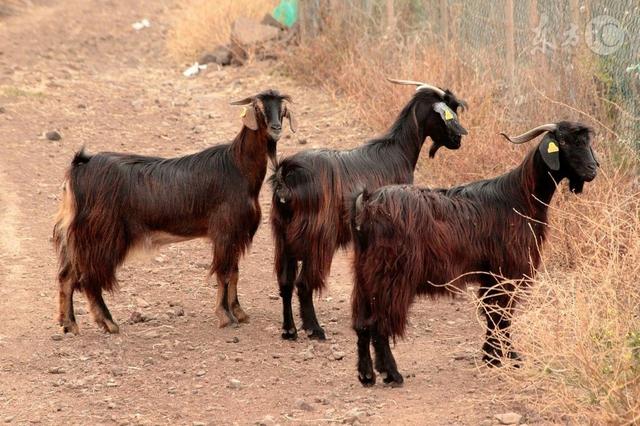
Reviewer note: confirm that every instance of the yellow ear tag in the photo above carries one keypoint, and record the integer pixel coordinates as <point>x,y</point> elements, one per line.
<point>448,115</point>
<point>243,112</point>
<point>552,147</point>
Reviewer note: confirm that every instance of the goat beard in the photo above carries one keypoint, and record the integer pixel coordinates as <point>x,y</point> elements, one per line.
<point>434,148</point>
<point>575,185</point>
<point>272,152</point>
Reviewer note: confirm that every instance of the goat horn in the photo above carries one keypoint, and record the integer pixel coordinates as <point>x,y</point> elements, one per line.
<point>421,85</point>
<point>527,136</point>
<point>245,101</point>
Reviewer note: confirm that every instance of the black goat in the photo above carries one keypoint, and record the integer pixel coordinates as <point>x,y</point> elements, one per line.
<point>412,241</point>
<point>114,202</point>
<point>312,189</point>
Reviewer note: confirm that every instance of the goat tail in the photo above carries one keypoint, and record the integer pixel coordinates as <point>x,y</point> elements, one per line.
<point>385,276</point>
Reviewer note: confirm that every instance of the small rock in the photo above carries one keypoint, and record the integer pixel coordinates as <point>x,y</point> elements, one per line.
<point>178,311</point>
<point>336,353</point>
<point>57,337</point>
<point>221,55</point>
<point>111,405</point>
<point>53,135</point>
<point>266,421</point>
<point>302,141</point>
<point>198,424</point>
<point>2,110</point>
<point>301,404</point>
<point>56,370</point>
<point>142,303</point>
<point>352,416</point>
<point>508,418</point>
<point>200,373</point>
<point>82,106</point>
<point>198,129</point>
<point>136,317</point>
<point>9,419</point>
<point>235,384</point>
<point>235,339</point>
<point>274,297</point>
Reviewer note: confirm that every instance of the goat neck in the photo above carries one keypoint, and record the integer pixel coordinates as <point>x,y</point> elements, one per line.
<point>250,151</point>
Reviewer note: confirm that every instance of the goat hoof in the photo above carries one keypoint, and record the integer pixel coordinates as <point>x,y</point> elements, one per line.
<point>316,334</point>
<point>291,334</point>
<point>492,360</point>
<point>393,379</point>
<point>70,327</point>
<point>367,379</point>
<point>226,318</point>
<point>109,326</point>
<point>240,315</point>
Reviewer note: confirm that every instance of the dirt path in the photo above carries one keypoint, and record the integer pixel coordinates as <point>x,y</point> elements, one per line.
<point>78,67</point>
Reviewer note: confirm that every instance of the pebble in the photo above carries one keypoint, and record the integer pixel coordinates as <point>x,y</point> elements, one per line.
<point>179,311</point>
<point>57,337</point>
<point>198,129</point>
<point>301,404</point>
<point>136,317</point>
<point>53,135</point>
<point>302,141</point>
<point>142,303</point>
<point>352,416</point>
<point>200,373</point>
<point>235,384</point>
<point>198,424</point>
<point>508,418</point>
<point>9,419</point>
<point>56,370</point>
<point>235,339</point>
<point>336,353</point>
<point>2,110</point>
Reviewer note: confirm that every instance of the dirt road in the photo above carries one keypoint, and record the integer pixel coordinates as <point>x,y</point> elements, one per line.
<point>77,66</point>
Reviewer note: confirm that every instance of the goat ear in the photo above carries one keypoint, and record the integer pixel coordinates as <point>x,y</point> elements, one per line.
<point>249,119</point>
<point>293,123</point>
<point>550,152</point>
<point>450,118</point>
<point>245,101</point>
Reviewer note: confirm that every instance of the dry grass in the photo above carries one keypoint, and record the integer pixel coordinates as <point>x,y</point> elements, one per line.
<point>202,25</point>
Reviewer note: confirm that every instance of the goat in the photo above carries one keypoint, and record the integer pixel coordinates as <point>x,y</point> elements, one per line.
<point>413,241</point>
<point>114,202</point>
<point>311,189</point>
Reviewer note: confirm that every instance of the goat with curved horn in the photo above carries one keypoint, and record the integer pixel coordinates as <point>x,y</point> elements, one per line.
<point>421,85</point>
<point>531,134</point>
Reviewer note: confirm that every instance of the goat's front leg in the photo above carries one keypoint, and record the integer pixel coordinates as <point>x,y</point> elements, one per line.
<point>287,268</point>
<point>385,362</point>
<point>225,316</point>
<point>232,297</point>
<point>497,307</point>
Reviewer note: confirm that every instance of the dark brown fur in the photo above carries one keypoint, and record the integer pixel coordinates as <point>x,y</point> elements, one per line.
<point>312,191</point>
<point>114,203</point>
<point>412,241</point>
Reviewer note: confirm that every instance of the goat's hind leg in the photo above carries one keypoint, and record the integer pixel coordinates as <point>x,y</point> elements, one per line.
<point>305,296</point>
<point>98,308</point>
<point>67,284</point>
<point>385,362</point>
<point>287,269</point>
<point>232,297</point>
<point>365,366</point>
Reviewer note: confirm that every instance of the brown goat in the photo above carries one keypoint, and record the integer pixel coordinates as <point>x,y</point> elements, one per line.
<point>412,241</point>
<point>114,202</point>
<point>312,190</point>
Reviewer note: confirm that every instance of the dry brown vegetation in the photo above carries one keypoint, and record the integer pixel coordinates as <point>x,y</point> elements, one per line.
<point>579,327</point>
<point>201,25</point>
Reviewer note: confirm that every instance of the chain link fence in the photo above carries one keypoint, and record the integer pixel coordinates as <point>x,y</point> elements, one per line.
<point>507,36</point>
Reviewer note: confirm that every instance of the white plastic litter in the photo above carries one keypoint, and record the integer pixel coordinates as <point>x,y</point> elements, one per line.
<point>141,24</point>
<point>194,70</point>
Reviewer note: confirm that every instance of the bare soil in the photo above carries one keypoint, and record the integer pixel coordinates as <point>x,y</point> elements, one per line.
<point>78,67</point>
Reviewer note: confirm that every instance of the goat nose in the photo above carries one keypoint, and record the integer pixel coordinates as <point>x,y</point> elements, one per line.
<point>276,126</point>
